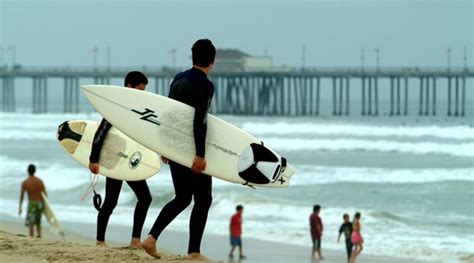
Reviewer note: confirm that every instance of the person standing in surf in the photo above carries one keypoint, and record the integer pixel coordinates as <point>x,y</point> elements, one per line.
<point>346,228</point>
<point>33,186</point>
<point>235,229</point>
<point>134,80</point>
<point>316,225</point>
<point>356,237</point>
<point>193,88</point>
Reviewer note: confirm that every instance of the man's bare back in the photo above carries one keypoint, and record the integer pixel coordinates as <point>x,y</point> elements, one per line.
<point>33,186</point>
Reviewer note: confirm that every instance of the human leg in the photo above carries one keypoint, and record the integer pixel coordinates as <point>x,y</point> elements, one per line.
<point>183,195</point>
<point>202,190</point>
<point>142,192</point>
<point>348,248</point>
<point>112,192</point>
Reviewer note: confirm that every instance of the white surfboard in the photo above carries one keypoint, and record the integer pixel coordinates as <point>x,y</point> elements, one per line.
<point>120,158</point>
<point>51,217</point>
<point>166,126</point>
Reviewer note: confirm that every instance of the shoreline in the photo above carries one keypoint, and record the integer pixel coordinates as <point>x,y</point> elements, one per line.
<point>172,245</point>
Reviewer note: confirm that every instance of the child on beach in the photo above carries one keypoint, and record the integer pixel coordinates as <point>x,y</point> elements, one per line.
<point>33,186</point>
<point>346,228</point>
<point>316,225</point>
<point>235,228</point>
<point>356,237</point>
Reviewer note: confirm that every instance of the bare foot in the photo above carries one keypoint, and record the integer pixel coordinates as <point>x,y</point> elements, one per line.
<point>135,243</point>
<point>101,244</point>
<point>149,245</point>
<point>197,256</point>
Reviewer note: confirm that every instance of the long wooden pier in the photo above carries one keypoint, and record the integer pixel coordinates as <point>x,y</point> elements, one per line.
<point>285,92</point>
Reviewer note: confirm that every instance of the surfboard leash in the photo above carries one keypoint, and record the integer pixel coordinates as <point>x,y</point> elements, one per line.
<point>97,199</point>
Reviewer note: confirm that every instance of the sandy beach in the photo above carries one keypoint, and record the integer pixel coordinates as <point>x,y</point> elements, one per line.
<point>15,246</point>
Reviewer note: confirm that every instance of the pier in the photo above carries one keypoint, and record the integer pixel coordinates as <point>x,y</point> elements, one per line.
<point>280,92</point>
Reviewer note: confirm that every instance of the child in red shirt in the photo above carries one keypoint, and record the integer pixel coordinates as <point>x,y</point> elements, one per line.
<point>235,228</point>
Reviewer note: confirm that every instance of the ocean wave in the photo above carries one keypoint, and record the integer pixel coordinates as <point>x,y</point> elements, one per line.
<point>351,130</point>
<point>384,232</point>
<point>54,175</point>
<point>312,174</point>
<point>419,148</point>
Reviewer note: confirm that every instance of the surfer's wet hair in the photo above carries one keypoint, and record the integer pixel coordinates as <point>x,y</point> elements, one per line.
<point>239,207</point>
<point>203,53</point>
<point>135,78</point>
<point>31,169</point>
<point>357,215</point>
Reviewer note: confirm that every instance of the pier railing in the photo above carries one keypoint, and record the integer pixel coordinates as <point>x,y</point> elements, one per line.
<point>274,91</point>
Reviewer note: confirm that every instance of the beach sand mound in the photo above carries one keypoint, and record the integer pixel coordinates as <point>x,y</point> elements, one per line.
<point>20,248</point>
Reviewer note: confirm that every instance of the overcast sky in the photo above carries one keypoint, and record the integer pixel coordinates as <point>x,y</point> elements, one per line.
<point>408,33</point>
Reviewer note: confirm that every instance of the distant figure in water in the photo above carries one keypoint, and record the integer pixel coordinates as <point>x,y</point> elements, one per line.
<point>33,186</point>
<point>346,228</point>
<point>235,229</point>
<point>316,225</point>
<point>356,238</point>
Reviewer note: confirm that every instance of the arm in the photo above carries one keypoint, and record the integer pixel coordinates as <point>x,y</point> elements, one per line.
<point>311,222</point>
<point>341,229</point>
<point>203,100</point>
<point>322,226</point>
<point>97,143</point>
<point>43,188</point>
<point>22,194</point>
<point>230,226</point>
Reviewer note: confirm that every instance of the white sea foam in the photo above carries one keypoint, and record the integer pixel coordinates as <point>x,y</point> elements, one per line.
<point>351,130</point>
<point>56,176</point>
<point>288,223</point>
<point>297,144</point>
<point>266,218</point>
<point>310,175</point>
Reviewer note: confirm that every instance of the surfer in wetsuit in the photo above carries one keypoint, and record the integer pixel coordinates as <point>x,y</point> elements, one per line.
<point>134,80</point>
<point>193,88</point>
<point>33,186</point>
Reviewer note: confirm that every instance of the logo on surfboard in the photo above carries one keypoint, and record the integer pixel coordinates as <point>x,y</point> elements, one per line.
<point>149,116</point>
<point>135,160</point>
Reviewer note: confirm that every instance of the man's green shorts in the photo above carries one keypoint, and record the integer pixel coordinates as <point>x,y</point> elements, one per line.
<point>35,211</point>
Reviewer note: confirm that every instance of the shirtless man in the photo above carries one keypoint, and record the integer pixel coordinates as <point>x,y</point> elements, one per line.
<point>33,186</point>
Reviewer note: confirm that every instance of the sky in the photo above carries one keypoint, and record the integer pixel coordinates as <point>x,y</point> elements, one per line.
<point>408,33</point>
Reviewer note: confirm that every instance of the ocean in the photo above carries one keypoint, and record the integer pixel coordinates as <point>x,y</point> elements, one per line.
<point>412,179</point>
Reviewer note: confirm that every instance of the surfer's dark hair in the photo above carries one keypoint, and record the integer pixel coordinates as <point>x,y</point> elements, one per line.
<point>203,53</point>
<point>316,208</point>
<point>239,207</point>
<point>357,215</point>
<point>135,78</point>
<point>31,169</point>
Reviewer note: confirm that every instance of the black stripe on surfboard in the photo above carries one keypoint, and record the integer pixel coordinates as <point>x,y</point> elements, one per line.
<point>218,147</point>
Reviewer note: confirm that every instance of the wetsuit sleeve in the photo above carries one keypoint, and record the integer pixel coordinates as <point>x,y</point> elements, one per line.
<point>203,100</point>
<point>98,141</point>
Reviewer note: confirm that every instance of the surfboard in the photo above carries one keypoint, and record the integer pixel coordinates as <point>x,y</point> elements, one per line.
<point>166,126</point>
<point>51,217</point>
<point>120,158</point>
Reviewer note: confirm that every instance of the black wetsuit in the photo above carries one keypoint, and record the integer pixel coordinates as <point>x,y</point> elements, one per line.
<point>346,228</point>
<point>195,89</point>
<point>112,190</point>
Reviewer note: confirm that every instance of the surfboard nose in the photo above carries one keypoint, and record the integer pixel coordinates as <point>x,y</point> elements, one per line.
<point>89,87</point>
